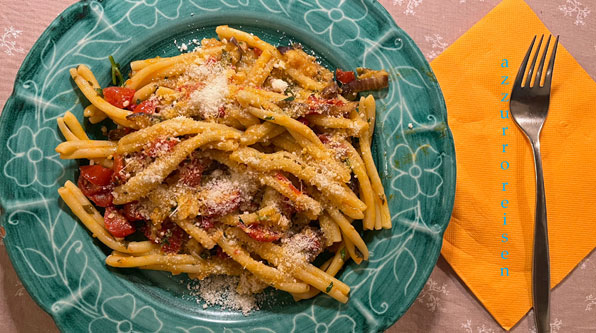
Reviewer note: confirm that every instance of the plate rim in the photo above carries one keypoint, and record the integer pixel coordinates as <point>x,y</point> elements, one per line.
<point>447,144</point>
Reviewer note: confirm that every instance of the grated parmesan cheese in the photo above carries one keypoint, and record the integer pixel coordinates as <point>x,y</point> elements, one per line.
<point>209,99</point>
<point>212,96</point>
<point>221,290</point>
<point>279,85</point>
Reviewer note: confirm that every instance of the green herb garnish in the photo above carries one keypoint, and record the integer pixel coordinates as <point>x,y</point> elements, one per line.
<point>240,220</point>
<point>289,99</point>
<point>138,101</point>
<point>225,56</point>
<point>343,254</point>
<point>269,118</point>
<point>88,209</point>
<point>358,253</point>
<point>117,78</point>
<point>99,92</point>
<point>166,238</point>
<point>329,287</point>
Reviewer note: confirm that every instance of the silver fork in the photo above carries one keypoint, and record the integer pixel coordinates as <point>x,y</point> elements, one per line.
<point>529,108</point>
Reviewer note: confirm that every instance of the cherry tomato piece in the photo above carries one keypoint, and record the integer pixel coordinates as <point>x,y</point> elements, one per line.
<point>226,203</point>
<point>191,171</point>
<point>304,121</point>
<point>221,254</point>
<point>132,211</point>
<point>100,195</point>
<point>259,233</point>
<point>118,176</point>
<point>221,112</point>
<point>189,88</point>
<point>97,174</point>
<point>160,147</point>
<point>119,97</point>
<point>147,107</point>
<point>205,222</point>
<point>344,77</point>
<point>172,237</point>
<point>324,138</point>
<point>288,183</point>
<point>116,223</point>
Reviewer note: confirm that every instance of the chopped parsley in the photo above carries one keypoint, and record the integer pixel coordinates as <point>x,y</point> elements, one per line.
<point>269,118</point>
<point>138,101</point>
<point>166,237</point>
<point>117,78</point>
<point>99,92</point>
<point>347,162</point>
<point>88,209</point>
<point>240,220</point>
<point>225,56</point>
<point>343,254</point>
<point>329,287</point>
<point>289,99</point>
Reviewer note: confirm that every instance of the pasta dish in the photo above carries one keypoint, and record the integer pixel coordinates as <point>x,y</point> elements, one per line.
<point>238,158</point>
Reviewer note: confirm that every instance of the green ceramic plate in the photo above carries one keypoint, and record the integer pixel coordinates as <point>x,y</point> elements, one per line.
<point>63,267</point>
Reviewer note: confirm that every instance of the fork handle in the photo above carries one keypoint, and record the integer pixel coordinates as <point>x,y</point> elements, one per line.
<point>540,261</point>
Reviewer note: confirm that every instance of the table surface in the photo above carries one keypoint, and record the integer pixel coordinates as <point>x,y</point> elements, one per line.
<point>445,304</point>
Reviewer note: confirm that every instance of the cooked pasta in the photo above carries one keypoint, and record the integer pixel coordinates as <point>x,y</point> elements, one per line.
<point>239,158</point>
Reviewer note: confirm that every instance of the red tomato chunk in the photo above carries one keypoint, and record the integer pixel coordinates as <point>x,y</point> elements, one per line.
<point>116,223</point>
<point>285,180</point>
<point>191,171</point>
<point>160,147</point>
<point>147,107</point>
<point>259,233</point>
<point>132,212</point>
<point>344,77</point>
<point>118,96</point>
<point>97,174</point>
<point>95,183</point>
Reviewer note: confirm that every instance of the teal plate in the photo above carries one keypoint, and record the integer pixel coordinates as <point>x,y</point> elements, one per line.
<point>62,266</point>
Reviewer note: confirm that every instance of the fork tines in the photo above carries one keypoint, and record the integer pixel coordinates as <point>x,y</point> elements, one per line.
<point>530,74</point>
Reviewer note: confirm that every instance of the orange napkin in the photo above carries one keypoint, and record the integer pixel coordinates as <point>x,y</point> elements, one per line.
<point>469,73</point>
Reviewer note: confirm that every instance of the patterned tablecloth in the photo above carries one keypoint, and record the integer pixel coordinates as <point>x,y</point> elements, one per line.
<point>445,304</point>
